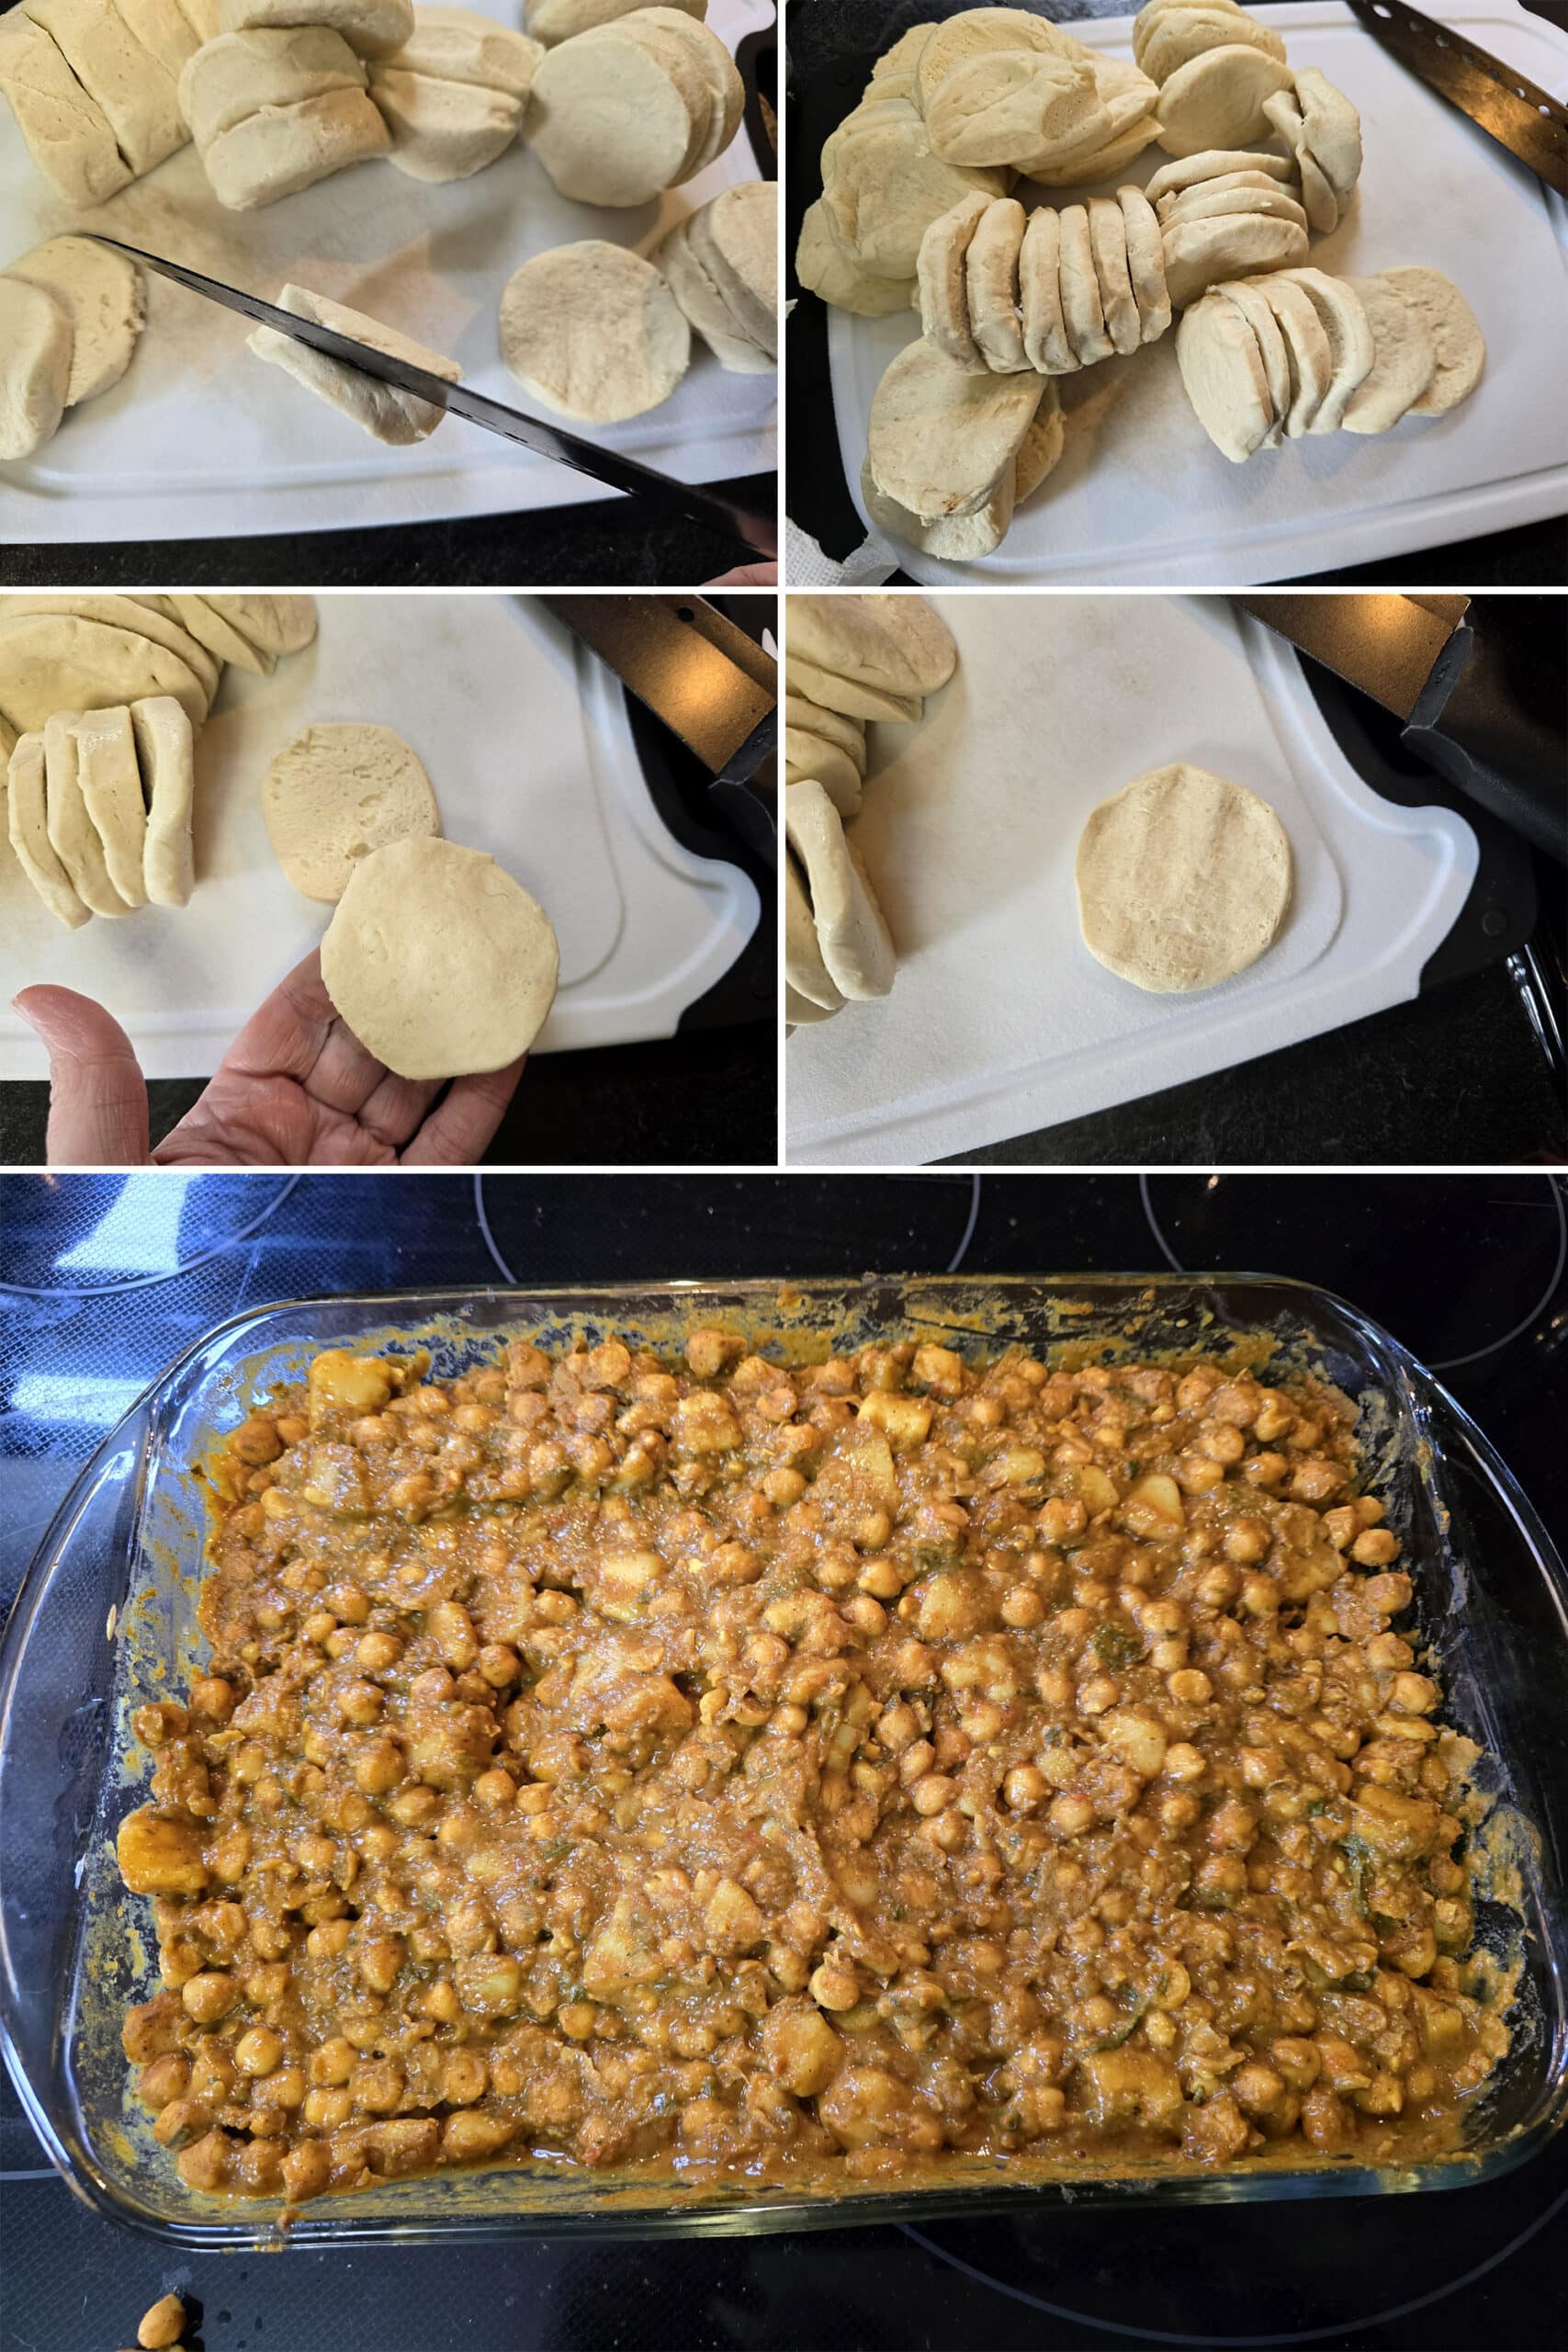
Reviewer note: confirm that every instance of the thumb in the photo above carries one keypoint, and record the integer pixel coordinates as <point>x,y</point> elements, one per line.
<point>97,1097</point>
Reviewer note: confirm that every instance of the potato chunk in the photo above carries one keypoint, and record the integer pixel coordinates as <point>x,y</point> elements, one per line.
<point>159,1857</point>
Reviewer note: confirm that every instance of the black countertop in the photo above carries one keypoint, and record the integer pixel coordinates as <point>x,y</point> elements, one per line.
<point>824,33</point>
<point>1478,2265</point>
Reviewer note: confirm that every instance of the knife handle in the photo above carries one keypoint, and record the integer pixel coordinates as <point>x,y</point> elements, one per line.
<point>1468,726</point>
<point>750,807</point>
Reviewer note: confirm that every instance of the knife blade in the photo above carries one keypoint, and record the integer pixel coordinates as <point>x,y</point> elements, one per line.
<point>1448,684</point>
<point>1529,122</point>
<point>749,527</point>
<point>711,685</point>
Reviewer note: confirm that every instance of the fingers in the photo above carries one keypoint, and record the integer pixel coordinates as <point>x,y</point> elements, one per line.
<point>98,1101</point>
<point>458,1130</point>
<point>747,575</point>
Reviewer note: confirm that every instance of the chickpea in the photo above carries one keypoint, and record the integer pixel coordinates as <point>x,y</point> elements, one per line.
<point>833,1986</point>
<point>161,2326</point>
<point>258,2050</point>
<point>932,1793</point>
<point>1376,1549</point>
<point>1184,1762</point>
<point>1025,1787</point>
<point>1070,1815</point>
<point>1024,1608</point>
<point>209,1997</point>
<point>1247,1540</point>
<point>1191,1687</point>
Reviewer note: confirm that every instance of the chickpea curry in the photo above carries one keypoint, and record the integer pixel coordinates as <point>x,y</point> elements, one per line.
<point>814,1775</point>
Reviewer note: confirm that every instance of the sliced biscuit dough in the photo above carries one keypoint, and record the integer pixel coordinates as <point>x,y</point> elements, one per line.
<point>284,149</point>
<point>805,972</point>
<point>812,755</point>
<point>241,75</point>
<point>1405,358</point>
<point>336,793</point>
<point>443,130</point>
<point>102,296</point>
<point>1178,35</point>
<point>1318,199</point>
<point>1183,879</point>
<point>1333,129</point>
<point>608,121</point>
<point>1212,164</point>
<point>142,615</point>
<point>1350,347</point>
<point>894,639</point>
<point>1081,307</point>
<point>165,754</point>
<point>714,61</point>
<point>940,279</point>
<point>1015,106</point>
<point>136,93</point>
<point>52,660</point>
<point>851,696</point>
<point>885,186</point>
<point>1046,340</point>
<point>991,278</point>
<point>826,268</point>
<point>1247,296</point>
<point>1100,163</point>
<point>553,21</point>
<point>735,238</point>
<point>593,331</point>
<point>35,367</point>
<point>273,625</point>
<point>386,413</point>
<point>799,1011</point>
<point>1217,100</point>
<point>1306,350</point>
<point>1457,340</point>
<point>940,439</point>
<point>1223,372</point>
<point>26,821</point>
<point>71,833</point>
<point>110,785</point>
<point>684,72</point>
<point>852,931</point>
<point>848,734</point>
<point>1198,254</point>
<point>705,308</point>
<point>1146,263</point>
<point>67,133</point>
<point>371,28</point>
<point>1216,198</point>
<point>163,30</point>
<point>957,538</point>
<point>439,962</point>
<point>1108,241</point>
<point>1042,445</point>
<point>461,45</point>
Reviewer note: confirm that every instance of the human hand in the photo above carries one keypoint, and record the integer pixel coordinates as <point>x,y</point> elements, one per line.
<point>295,1090</point>
<point>747,575</point>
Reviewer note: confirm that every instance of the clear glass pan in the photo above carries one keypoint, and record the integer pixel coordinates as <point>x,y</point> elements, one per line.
<point>107,1612</point>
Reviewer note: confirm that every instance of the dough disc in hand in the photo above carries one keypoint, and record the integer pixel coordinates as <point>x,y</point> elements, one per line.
<point>1183,879</point>
<point>439,962</point>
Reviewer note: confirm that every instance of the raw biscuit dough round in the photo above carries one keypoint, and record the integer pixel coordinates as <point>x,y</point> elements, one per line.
<point>338,792</point>
<point>1178,35</point>
<point>851,931</point>
<point>851,696</point>
<point>805,972</point>
<point>1247,296</point>
<point>27,823</point>
<point>940,439</point>
<point>1146,263</point>
<point>371,28</point>
<point>1081,307</point>
<point>594,332</point>
<point>706,309</point>
<point>1198,254</point>
<point>608,121</point>
<point>550,22</point>
<point>142,615</point>
<point>443,130</point>
<point>65,132</point>
<point>241,75</point>
<point>1183,879</point>
<point>808,755</point>
<point>1248,192</point>
<point>848,734</point>
<point>990,282</point>
<point>35,368</point>
<point>894,639</point>
<point>272,626</point>
<point>1350,347</point>
<point>276,153</point>
<point>438,961</point>
<point>1457,339</point>
<point>1107,243</point>
<point>826,268</point>
<point>1306,350</point>
<point>1223,373</point>
<point>1212,164</point>
<point>940,279</point>
<point>1217,100</point>
<point>461,45</point>
<point>102,296</point>
<point>1405,358</point>
<point>1046,340</point>
<point>734,237</point>
<point>51,662</point>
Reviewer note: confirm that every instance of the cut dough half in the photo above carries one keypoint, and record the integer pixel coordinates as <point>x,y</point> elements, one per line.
<point>165,752</point>
<point>67,133</point>
<point>386,413</point>
<point>337,793</point>
<point>852,931</point>
<point>1217,100</point>
<point>1183,879</point>
<point>27,820</point>
<point>102,296</point>
<point>439,962</point>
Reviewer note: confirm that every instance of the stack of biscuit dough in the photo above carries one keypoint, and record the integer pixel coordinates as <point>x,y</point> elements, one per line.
<point>281,99</point>
<point>922,202</point>
<point>100,701</point>
<point>848,661</point>
<point>452,95</point>
<point>630,107</point>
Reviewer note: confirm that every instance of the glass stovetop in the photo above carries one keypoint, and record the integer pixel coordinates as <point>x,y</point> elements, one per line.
<point>111,1276</point>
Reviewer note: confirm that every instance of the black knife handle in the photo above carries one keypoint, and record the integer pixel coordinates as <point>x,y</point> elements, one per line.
<point>1467,724</point>
<point>751,808</point>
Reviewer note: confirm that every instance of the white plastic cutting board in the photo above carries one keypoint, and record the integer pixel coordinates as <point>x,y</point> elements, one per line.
<point>527,740</point>
<point>1143,497</point>
<point>199,439</point>
<point>1000,1020</point>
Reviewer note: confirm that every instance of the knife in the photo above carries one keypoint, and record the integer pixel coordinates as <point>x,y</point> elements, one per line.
<point>1529,122</point>
<point>709,683</point>
<point>1448,684</point>
<point>751,529</point>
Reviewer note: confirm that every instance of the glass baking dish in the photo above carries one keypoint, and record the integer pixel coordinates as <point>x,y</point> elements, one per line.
<point>107,1613</point>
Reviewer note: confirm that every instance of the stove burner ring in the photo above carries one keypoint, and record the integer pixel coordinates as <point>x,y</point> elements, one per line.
<point>1438,1363</point>
<point>1243,2343</point>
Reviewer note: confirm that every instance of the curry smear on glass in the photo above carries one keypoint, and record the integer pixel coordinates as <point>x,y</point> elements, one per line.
<point>822,1775</point>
